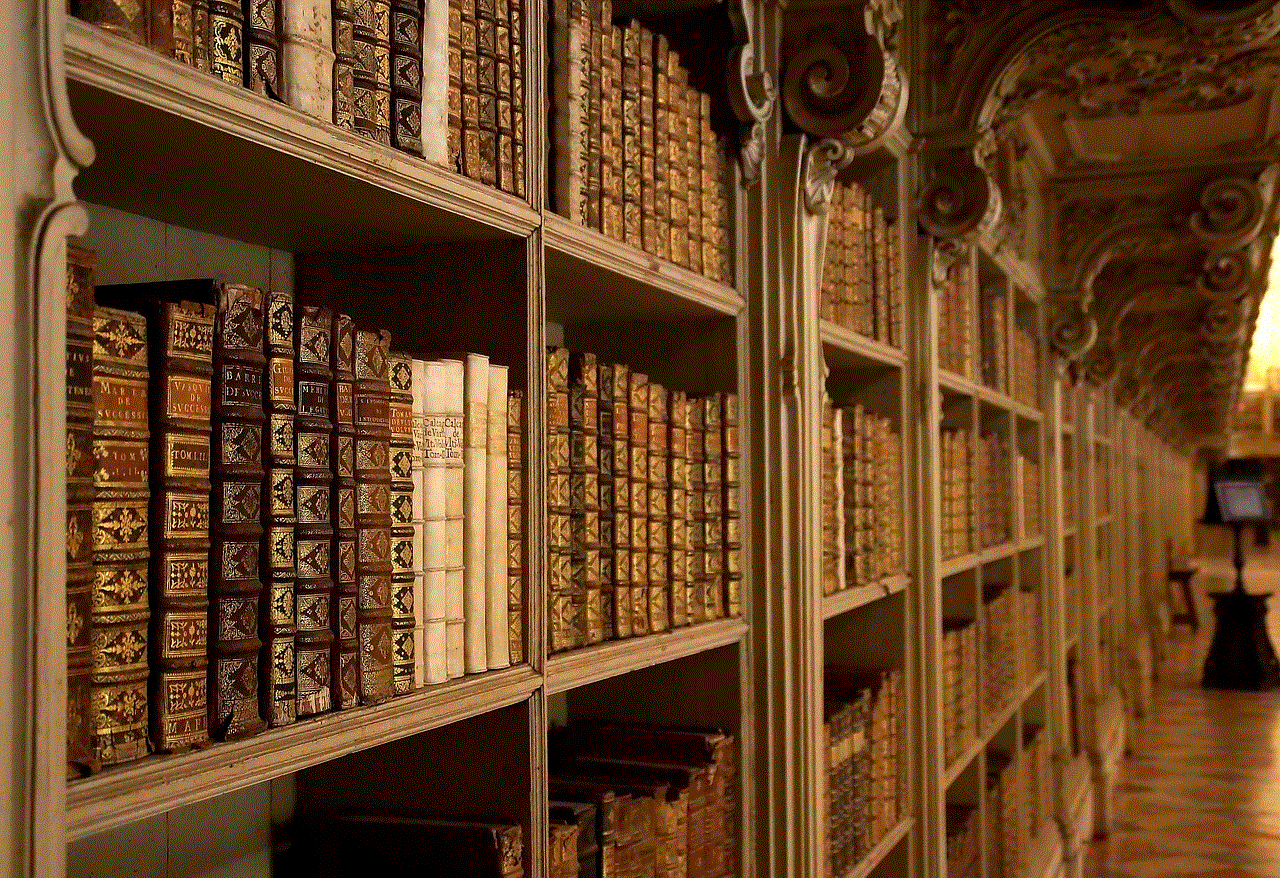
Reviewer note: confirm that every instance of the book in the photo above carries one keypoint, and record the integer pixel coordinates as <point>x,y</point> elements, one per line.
<point>697,556</point>
<point>583,817</point>
<point>638,433</point>
<point>262,47</point>
<point>502,96</point>
<point>475,443</point>
<point>454,137</point>
<point>497,622</point>
<point>677,558</point>
<point>694,181</point>
<point>568,110</point>
<point>713,550</point>
<point>648,172</point>
<point>118,680</point>
<point>661,150</point>
<point>201,35</point>
<point>404,561</point>
<point>486,86</point>
<point>373,515</point>
<point>515,526</point>
<point>344,671</point>
<point>516,8</point>
<point>632,134</point>
<point>584,503</point>
<point>611,212</point>
<point>560,609</point>
<point>676,161</point>
<point>437,81</point>
<point>344,64</point>
<point>562,850</point>
<point>443,438</point>
<point>226,40</point>
<point>605,508</point>
<point>710,191</point>
<point>371,74</point>
<point>307,57</point>
<point>352,845</point>
<point>454,507</point>
<point>128,20</point>
<point>418,460</point>
<point>313,529</point>
<point>658,511</point>
<point>81,268</point>
<point>730,505</point>
<point>622,593</point>
<point>406,75</point>
<point>591,56</point>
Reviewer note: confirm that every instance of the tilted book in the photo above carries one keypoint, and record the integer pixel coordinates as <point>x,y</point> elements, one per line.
<point>313,528</point>
<point>658,512</point>
<point>638,404</point>
<point>515,526</point>
<point>262,47</point>
<point>344,674</point>
<point>497,623</point>
<point>475,445</point>
<point>418,403</point>
<point>118,684</point>
<point>344,64</point>
<point>406,75</point>
<point>307,56</point>
<point>560,610</point>
<point>404,662</point>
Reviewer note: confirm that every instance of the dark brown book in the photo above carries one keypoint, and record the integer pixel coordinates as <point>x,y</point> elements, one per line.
<point>635,802</point>
<point>118,685</point>
<point>277,619</point>
<point>502,54</point>
<point>731,505</point>
<point>469,84</point>
<point>358,845</point>
<point>657,511</point>
<point>235,588</point>
<point>516,18</point>
<point>693,162</point>
<point>486,55</point>
<point>631,136</point>
<point>638,436</point>
<point>403,562</point>
<point>661,151</point>
<point>678,507</point>
<point>200,35</point>
<point>515,525</point>
<point>81,266</point>
<point>713,522</point>
<point>345,678</point>
<point>622,595</point>
<point>605,496</point>
<point>677,168</point>
<point>406,75</point>
<point>696,601</point>
<point>344,64</point>
<point>262,38</point>
<point>226,40</point>
<point>371,30</point>
<point>584,818</point>
<point>648,178</point>
<point>455,85</point>
<point>373,514</point>
<point>584,499</point>
<point>313,537</point>
<point>560,609</point>
<point>562,850</point>
<point>612,830</point>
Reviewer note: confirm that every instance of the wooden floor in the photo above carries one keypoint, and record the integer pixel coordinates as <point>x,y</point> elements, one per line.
<point>1200,795</point>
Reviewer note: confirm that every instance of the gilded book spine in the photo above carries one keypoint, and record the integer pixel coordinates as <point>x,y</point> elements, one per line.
<point>279,517</point>
<point>306,55</point>
<point>710,190</point>
<point>584,497</point>
<point>81,265</point>
<point>498,647</point>
<point>638,403</point>
<point>475,435</point>
<point>676,159</point>
<point>693,164</point>
<point>713,522</point>
<point>344,50</point>
<point>118,685</point>
<point>560,612</point>
<point>678,508</point>
<point>658,511</point>
<point>696,602</point>
<point>262,47</point>
<point>201,35</point>
<point>610,120</point>
<point>313,530</point>
<point>631,136</point>
<point>469,143</point>
<point>226,40</point>
<point>517,98</point>
<point>454,113</point>
<point>452,442</point>
<point>235,588</point>
<point>731,508</point>
<point>515,526</point>
<point>487,89</point>
<point>590,31</point>
<point>373,515</point>
<point>661,150</point>
<point>502,106</point>
<point>406,75</point>
<point>344,675</point>
<point>418,499</point>
<point>622,594</point>
<point>404,677</point>
<point>371,28</point>
<point>648,178</point>
<point>181,31</point>
<point>604,495</point>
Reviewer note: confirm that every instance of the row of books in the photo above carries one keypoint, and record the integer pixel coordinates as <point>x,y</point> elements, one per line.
<point>1001,616</point>
<point>862,269</point>
<point>643,504</point>
<point>862,497</point>
<point>956,298</point>
<point>633,152</point>
<point>959,509</point>
<point>271,514</point>
<point>1032,516</point>
<point>995,486</point>
<point>1026,368</point>
<point>1030,639</point>
<point>1033,758</point>
<point>1002,827</point>
<point>630,799</point>
<point>963,841</point>
<point>442,79</point>
<point>959,687</point>
<point>865,770</point>
<point>356,845</point>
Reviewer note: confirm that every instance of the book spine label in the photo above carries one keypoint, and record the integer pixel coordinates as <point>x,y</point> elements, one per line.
<point>262,47</point>
<point>475,437</point>
<point>277,612</point>
<point>731,506</point>
<point>406,75</point>
<point>605,510</point>
<point>235,588</point>
<point>678,507</point>
<point>631,136</point>
<point>313,528</point>
<point>657,511</point>
<point>344,64</point>
<point>622,602</point>
<point>226,40</point>
<point>560,612</point>
<point>418,497</point>
<point>515,526</point>
<point>307,56</point>
<point>638,404</point>
<point>496,605</point>
<point>373,516</point>
<point>404,561</point>
<point>584,498</point>
<point>344,673</point>
<point>486,53</point>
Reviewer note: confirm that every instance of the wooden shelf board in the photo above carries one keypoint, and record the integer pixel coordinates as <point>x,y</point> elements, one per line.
<point>1032,542</point>
<point>1000,719</point>
<point>1026,412</point>
<point>591,277</point>
<point>957,384</point>
<point>844,348</point>
<point>997,553</point>
<point>184,147</point>
<point>958,564</point>
<point>859,596</point>
<point>579,667</point>
<point>159,783</point>
<point>993,397</point>
<point>1036,682</point>
<point>956,768</point>
<point>881,849</point>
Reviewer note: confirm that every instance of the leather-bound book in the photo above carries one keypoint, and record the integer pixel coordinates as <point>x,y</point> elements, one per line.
<point>677,169</point>
<point>648,173</point>
<point>200,35</point>
<point>371,28</point>
<point>610,167</point>
<point>344,673</point>
<point>181,32</point>
<point>562,850</point>
<point>355,845</point>
<point>307,57</point>
<point>418,497</point>
<point>584,818</point>
<point>406,75</point>
<point>515,526</point>
<point>262,47</point>
<point>235,587</point>
<point>497,637</point>
<point>638,405</point>
<point>622,595</point>
<point>631,136</point>
<point>731,505</point>
<point>518,162</point>
<point>81,265</point>
<point>470,90</point>
<point>678,507</point>
<point>591,31</point>
<point>560,609</point>
<point>128,20</point>
<point>584,509</point>
<point>568,110</point>
<point>475,450</point>
<point>713,521</point>
<point>697,554</point>
<point>623,816</point>
<point>486,54</point>
<point>724,211</point>
<point>830,474</point>
<point>571,794</point>
<point>277,614</point>
<point>452,442</point>
<point>661,150</point>
<point>313,530</point>
<point>454,113</point>
<point>226,40</point>
<point>693,162</point>
<point>436,81</point>
<point>502,55</point>
<point>657,511</point>
<point>373,515</point>
<point>711,160</point>
<point>344,64</point>
<point>604,495</point>
<point>118,683</point>
<point>404,678</point>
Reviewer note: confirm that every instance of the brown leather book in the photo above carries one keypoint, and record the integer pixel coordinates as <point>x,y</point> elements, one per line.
<point>638,436</point>
<point>678,507</point>
<point>81,265</point>
<point>455,85</point>
<point>502,54</point>
<point>181,31</point>
<point>731,505</point>
<point>277,613</point>
<point>486,59</point>
<point>469,83</point>
<point>262,38</point>
<point>403,561</point>
<point>631,136</point>
<point>118,685</point>
<point>605,495</point>
<point>313,538</point>
<point>713,522</point>
<point>560,610</point>
<point>344,50</point>
<point>358,845</point>
<point>517,188</point>
<point>657,511</point>
<point>648,173</point>
<point>562,850</point>
<point>200,35</point>
<point>610,169</point>
<point>584,818</point>
<point>711,160</point>
<point>693,161</point>
<point>406,75</point>
<point>677,169</point>
<point>584,498</point>
<point>515,525</point>
<point>622,599</point>
<point>128,20</point>
<point>226,40</point>
<point>373,514</point>
<point>661,151</point>
<point>622,818</point>
<point>344,674</point>
<point>697,552</point>
<point>371,30</point>
<point>591,34</point>
<point>235,588</point>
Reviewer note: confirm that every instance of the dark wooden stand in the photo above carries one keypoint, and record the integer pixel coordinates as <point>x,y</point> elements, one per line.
<point>1241,655</point>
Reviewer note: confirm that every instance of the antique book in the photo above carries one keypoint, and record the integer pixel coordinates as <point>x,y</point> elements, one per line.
<point>236,475</point>
<point>307,56</point>
<point>454,138</point>
<point>118,681</point>
<point>648,179</point>
<point>515,526</point>
<point>677,556</point>
<point>658,511</point>
<point>502,95</point>
<point>880,266</point>
<point>584,503</point>
<point>713,529</point>
<point>201,36</point>
<point>450,442</point>
<point>622,594</point>
<point>841,548</point>
<point>344,669</point>
<point>560,611</point>
<point>562,850</point>
<point>373,515</point>
<point>406,75</point>
<point>518,162</point>
<point>226,40</point>
<point>584,818</point>
<point>81,266</point>
<point>631,136</point>
<point>262,47</point>
<point>638,801</point>
<point>605,509</point>
<point>475,443</point>
<point>638,405</point>
<point>567,91</point>
<point>128,20</point>
<point>696,554</point>
<point>693,162</point>
<point>404,561</point>
<point>676,161</point>
<point>344,64</point>
<point>371,29</point>
<point>366,844</point>
<point>436,82</point>
<point>497,622</point>
<point>313,528</point>
<point>831,473</point>
<point>731,505</point>
<point>661,151</point>
<point>180,31</point>
<point>591,27</point>
<point>418,460</point>
<point>610,166</point>
<point>486,90</point>
<point>710,191</point>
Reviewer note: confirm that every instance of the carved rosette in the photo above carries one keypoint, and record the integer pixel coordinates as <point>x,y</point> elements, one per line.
<point>957,201</point>
<point>1072,330</point>
<point>1230,215</point>
<point>752,93</point>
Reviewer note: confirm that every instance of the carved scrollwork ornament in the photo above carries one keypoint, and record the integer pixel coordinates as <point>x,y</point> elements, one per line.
<point>1100,365</point>
<point>1230,215</point>
<point>1225,277</point>
<point>1126,392</point>
<point>1072,330</point>
<point>822,162</point>
<point>1221,321</point>
<point>752,93</point>
<point>957,200</point>
<point>943,255</point>
<point>1218,24</point>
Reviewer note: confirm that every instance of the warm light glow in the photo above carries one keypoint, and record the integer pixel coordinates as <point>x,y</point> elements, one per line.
<point>1265,353</point>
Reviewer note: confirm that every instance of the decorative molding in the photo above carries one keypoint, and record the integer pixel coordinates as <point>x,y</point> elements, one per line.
<point>957,200</point>
<point>822,162</point>
<point>1072,330</point>
<point>752,93</point>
